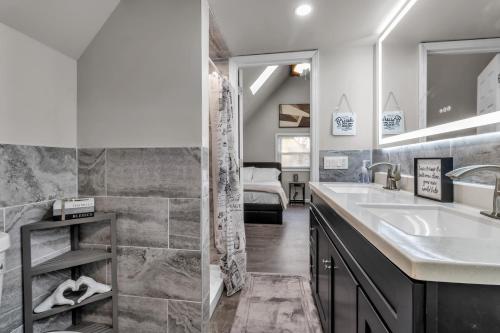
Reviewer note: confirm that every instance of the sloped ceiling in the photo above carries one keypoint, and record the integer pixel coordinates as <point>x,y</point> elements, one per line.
<point>65,25</point>
<point>251,103</point>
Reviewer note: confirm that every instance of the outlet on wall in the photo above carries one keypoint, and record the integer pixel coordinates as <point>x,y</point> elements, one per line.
<point>335,163</point>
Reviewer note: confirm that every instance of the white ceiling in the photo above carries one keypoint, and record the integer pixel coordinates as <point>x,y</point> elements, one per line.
<point>265,26</point>
<point>252,103</point>
<point>431,20</point>
<point>65,25</point>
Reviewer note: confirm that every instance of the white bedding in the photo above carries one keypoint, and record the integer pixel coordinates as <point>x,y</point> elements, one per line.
<point>263,191</point>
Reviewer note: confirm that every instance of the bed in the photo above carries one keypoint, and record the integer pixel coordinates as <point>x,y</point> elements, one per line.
<point>262,202</point>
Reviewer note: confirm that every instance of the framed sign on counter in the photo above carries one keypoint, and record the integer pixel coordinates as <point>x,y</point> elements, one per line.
<point>431,181</point>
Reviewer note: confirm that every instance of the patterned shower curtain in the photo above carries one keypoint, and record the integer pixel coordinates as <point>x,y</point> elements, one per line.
<point>229,228</point>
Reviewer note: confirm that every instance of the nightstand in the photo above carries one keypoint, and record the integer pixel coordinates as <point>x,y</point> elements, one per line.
<point>293,192</point>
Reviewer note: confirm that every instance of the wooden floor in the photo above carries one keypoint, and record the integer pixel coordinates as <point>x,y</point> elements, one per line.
<point>270,249</point>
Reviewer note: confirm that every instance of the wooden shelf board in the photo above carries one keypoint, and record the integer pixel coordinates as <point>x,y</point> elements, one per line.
<point>64,308</point>
<point>91,328</point>
<point>98,217</point>
<point>70,259</point>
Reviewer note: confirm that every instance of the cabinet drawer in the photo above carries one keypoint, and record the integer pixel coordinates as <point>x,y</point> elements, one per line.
<point>396,297</point>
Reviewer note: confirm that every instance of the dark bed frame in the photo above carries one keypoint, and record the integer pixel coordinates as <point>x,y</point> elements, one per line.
<point>263,213</point>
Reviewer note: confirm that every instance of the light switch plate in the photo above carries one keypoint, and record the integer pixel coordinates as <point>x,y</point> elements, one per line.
<point>335,163</point>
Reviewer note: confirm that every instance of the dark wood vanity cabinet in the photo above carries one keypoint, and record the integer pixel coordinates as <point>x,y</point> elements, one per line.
<point>349,298</point>
<point>334,287</point>
<point>368,319</point>
<point>358,290</point>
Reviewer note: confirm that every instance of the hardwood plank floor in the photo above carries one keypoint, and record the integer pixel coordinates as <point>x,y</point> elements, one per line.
<point>270,249</point>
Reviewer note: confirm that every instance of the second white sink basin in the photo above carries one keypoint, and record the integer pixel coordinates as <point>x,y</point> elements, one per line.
<point>435,221</point>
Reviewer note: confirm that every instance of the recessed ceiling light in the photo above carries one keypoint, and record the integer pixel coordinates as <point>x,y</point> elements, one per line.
<point>303,10</point>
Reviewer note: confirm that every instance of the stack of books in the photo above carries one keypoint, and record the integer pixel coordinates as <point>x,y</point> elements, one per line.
<point>68,209</point>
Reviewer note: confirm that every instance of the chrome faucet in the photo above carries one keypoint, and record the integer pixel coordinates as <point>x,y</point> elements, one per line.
<point>462,172</point>
<point>393,175</point>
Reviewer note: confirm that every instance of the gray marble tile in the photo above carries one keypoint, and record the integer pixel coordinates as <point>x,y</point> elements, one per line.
<point>11,305</point>
<point>352,174</point>
<point>31,174</point>
<point>205,313</point>
<point>2,224</point>
<point>99,312</point>
<point>477,150</point>
<point>159,273</point>
<point>154,172</point>
<point>406,155</point>
<point>57,323</point>
<point>205,171</point>
<point>140,222</point>
<point>44,244</point>
<point>184,317</point>
<point>91,172</point>
<point>145,315</point>
<point>185,224</point>
<point>380,155</point>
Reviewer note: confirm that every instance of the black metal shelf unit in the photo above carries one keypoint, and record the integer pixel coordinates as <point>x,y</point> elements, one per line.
<point>73,260</point>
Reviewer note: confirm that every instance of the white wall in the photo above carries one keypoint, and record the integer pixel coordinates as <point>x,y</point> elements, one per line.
<point>260,129</point>
<point>37,92</point>
<point>400,70</point>
<point>347,70</point>
<point>140,80</point>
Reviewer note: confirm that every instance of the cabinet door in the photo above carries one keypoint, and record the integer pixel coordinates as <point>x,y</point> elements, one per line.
<point>313,254</point>
<point>345,290</point>
<point>324,290</point>
<point>368,319</point>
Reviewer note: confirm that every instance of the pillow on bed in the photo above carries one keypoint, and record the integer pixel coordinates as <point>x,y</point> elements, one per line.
<point>265,175</point>
<point>247,173</point>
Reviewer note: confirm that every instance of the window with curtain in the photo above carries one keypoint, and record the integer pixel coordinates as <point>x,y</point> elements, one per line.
<point>293,151</point>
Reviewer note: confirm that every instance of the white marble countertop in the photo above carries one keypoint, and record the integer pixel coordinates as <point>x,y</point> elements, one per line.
<point>471,259</point>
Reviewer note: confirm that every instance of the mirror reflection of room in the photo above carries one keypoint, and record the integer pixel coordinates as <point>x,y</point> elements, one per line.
<point>438,69</point>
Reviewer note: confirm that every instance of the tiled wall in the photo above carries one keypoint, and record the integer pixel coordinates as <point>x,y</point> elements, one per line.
<point>31,177</point>
<point>483,149</point>
<point>352,174</point>
<point>158,196</point>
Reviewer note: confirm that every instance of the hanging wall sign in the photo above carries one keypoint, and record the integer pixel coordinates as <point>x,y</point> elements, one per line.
<point>344,123</point>
<point>393,122</point>
<point>393,118</point>
<point>431,181</point>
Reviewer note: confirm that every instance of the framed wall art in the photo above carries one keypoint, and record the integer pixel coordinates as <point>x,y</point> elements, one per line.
<point>295,116</point>
<point>431,181</point>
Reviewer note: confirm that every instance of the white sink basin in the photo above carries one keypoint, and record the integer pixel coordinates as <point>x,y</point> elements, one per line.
<point>4,242</point>
<point>435,221</point>
<point>360,189</point>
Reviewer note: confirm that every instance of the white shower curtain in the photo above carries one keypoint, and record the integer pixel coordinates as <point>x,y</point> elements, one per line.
<point>229,228</point>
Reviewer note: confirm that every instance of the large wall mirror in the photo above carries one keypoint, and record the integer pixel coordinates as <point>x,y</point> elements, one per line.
<point>438,69</point>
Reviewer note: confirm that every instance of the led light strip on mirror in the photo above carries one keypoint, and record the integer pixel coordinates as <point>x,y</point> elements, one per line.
<point>473,122</point>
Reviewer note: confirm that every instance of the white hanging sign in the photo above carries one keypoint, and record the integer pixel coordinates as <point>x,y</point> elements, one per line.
<point>344,123</point>
<point>393,122</point>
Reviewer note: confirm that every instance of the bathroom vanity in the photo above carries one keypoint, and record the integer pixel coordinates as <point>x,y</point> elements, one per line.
<point>375,270</point>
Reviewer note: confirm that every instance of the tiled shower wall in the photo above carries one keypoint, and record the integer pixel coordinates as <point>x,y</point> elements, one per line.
<point>31,177</point>
<point>158,196</point>
<point>483,149</point>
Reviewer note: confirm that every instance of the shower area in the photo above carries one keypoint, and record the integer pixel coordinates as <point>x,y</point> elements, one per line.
<point>227,233</point>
